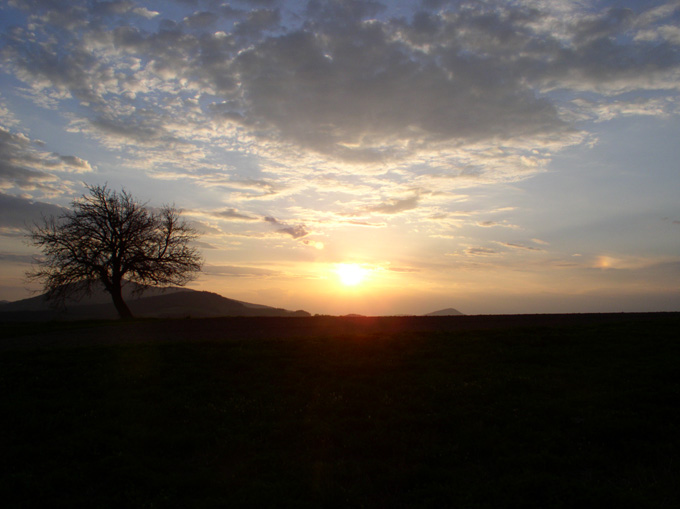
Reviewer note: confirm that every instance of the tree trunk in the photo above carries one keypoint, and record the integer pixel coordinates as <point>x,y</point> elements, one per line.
<point>122,308</point>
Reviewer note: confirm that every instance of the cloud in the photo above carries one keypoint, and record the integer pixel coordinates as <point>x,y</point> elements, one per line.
<point>7,118</point>
<point>494,224</point>
<point>233,215</point>
<point>602,111</point>
<point>16,160</point>
<point>144,12</point>
<point>337,93</point>
<point>77,164</point>
<point>600,59</point>
<point>602,25</point>
<point>297,231</point>
<point>395,206</point>
<point>25,166</point>
<point>18,212</point>
<point>202,19</point>
<point>261,3</point>
<point>480,251</point>
<point>257,22</point>
<point>460,94</point>
<point>203,245</point>
<point>15,258</point>
<point>516,245</point>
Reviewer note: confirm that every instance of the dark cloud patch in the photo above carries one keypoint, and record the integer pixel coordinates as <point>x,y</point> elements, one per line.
<point>257,22</point>
<point>66,15</point>
<point>434,4</point>
<point>425,23</point>
<point>12,232</point>
<point>602,53</point>
<point>203,245</point>
<point>259,3</point>
<point>107,8</point>
<point>18,212</point>
<point>343,11</point>
<point>516,245</point>
<point>396,206</point>
<point>356,92</point>
<point>603,62</point>
<point>204,19</point>
<point>609,23</point>
<point>75,71</point>
<point>480,251</point>
<point>297,231</point>
<point>229,12</point>
<point>24,178</point>
<point>20,163</point>
<point>76,162</point>
<point>15,258</point>
<point>234,215</point>
<point>139,129</point>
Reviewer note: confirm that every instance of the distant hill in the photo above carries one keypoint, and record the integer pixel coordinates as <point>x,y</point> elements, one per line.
<point>154,303</point>
<point>202,305</point>
<point>446,312</point>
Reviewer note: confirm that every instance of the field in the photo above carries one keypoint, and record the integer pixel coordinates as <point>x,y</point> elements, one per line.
<point>519,411</point>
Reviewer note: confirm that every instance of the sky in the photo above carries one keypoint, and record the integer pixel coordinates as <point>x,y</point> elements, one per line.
<point>366,157</point>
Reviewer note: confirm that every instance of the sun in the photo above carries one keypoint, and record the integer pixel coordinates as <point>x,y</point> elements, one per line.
<point>350,274</point>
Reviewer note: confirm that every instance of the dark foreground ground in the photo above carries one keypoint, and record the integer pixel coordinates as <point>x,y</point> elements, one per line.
<point>506,411</point>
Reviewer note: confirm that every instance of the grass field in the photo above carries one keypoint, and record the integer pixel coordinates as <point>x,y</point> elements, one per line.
<point>474,412</point>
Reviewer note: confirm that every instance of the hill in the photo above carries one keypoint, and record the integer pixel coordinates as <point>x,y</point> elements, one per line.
<point>445,312</point>
<point>203,305</point>
<point>152,303</point>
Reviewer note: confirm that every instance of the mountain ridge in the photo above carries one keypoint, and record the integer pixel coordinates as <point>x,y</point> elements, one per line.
<point>172,302</point>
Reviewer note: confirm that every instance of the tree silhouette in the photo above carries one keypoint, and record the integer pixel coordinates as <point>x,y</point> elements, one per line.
<point>109,238</point>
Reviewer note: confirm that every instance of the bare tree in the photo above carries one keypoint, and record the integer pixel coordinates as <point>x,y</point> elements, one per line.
<point>109,238</point>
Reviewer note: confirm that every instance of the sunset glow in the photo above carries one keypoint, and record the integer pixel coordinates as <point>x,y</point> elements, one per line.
<point>351,274</point>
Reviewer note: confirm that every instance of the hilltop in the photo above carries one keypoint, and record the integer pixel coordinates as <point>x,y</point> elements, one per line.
<point>446,312</point>
<point>152,303</point>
